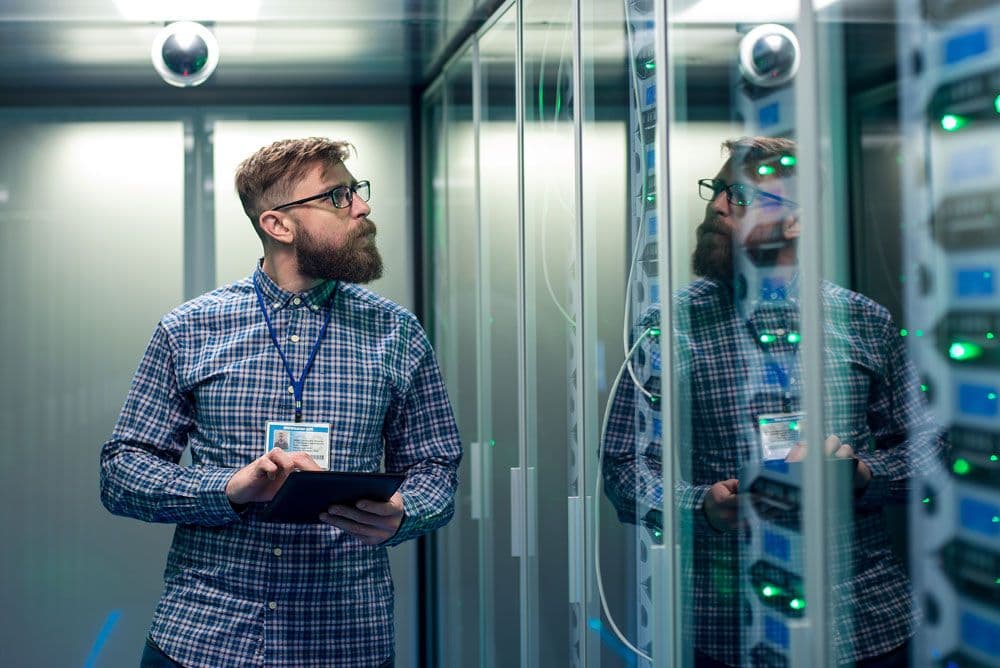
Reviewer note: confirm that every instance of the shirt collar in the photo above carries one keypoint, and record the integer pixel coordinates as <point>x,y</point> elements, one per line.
<point>277,299</point>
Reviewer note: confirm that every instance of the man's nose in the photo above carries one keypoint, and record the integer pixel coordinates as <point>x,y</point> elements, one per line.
<point>720,204</point>
<point>359,207</point>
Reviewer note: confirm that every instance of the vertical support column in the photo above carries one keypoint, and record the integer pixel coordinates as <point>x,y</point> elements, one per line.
<point>522,389</point>
<point>666,604</point>
<point>199,206</point>
<point>582,430</point>
<point>817,562</point>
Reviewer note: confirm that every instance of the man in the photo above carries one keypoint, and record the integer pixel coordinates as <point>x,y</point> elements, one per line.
<point>297,341</point>
<point>737,330</point>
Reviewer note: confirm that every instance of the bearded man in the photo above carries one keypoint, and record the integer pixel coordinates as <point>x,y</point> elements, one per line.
<point>297,341</point>
<point>737,332</point>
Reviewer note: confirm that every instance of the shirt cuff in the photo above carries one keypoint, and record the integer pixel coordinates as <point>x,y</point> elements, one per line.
<point>213,505</point>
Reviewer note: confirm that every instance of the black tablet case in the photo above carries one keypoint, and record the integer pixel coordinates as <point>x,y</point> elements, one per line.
<point>305,494</point>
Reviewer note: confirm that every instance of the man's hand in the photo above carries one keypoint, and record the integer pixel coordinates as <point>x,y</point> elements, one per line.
<point>373,522</point>
<point>721,505</point>
<point>834,448</point>
<point>260,480</point>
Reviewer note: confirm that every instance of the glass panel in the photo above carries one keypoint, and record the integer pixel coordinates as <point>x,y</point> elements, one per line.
<point>551,469</point>
<point>786,559</point>
<point>457,296</point>
<point>500,569</point>
<point>621,286</point>
<point>92,258</point>
<point>948,221</point>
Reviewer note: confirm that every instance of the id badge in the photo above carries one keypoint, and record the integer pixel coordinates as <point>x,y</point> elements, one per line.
<point>312,438</point>
<point>779,433</point>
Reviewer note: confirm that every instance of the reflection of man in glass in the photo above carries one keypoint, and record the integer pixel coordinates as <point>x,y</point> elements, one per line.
<point>737,330</point>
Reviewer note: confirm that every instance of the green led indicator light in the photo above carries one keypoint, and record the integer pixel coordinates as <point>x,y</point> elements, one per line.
<point>904,332</point>
<point>919,332</point>
<point>650,198</point>
<point>657,533</point>
<point>654,331</point>
<point>990,336</point>
<point>996,519</point>
<point>768,338</point>
<point>794,426</point>
<point>765,170</point>
<point>996,103</point>
<point>789,160</point>
<point>492,443</point>
<point>923,387</point>
<point>994,458</point>
<point>926,499</point>
<point>794,337</point>
<point>998,581</point>
<point>796,604</point>
<point>961,466</point>
<point>951,122</point>
<point>650,65</point>
<point>770,590</point>
<point>963,350</point>
<point>992,396</point>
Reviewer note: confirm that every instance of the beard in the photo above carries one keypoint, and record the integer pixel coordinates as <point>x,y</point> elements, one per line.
<point>713,253</point>
<point>357,260</point>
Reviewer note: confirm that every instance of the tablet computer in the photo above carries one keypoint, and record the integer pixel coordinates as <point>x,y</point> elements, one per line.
<point>306,494</point>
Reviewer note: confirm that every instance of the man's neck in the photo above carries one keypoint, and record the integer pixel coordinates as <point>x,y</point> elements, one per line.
<point>283,270</point>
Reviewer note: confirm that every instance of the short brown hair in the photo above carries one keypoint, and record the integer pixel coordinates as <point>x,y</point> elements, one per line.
<point>268,177</point>
<point>751,154</point>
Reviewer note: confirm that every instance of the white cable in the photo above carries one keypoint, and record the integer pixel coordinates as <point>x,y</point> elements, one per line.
<point>597,497</point>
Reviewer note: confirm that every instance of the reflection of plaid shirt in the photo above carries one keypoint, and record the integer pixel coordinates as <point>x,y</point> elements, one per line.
<point>725,379</point>
<point>244,592</point>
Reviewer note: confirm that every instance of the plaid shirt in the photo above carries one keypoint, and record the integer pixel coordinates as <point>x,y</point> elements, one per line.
<point>872,402</point>
<point>241,592</point>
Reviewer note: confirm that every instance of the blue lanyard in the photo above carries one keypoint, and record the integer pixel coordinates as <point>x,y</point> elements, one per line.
<point>297,385</point>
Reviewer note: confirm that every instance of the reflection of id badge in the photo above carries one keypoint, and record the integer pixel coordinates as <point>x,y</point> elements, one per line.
<point>312,438</point>
<point>779,432</point>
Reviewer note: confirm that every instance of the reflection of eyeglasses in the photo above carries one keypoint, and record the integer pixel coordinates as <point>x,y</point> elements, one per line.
<point>739,194</point>
<point>341,196</point>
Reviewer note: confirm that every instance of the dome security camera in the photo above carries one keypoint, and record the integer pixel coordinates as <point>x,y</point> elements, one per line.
<point>185,54</point>
<point>769,55</point>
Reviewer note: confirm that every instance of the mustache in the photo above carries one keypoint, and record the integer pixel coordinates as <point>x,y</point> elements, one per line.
<point>713,226</point>
<point>366,228</point>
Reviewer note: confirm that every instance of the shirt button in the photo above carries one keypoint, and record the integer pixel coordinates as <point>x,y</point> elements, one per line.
<point>277,551</point>
<point>272,605</point>
<point>296,301</point>
<point>291,390</point>
<point>294,338</point>
<point>314,307</point>
<point>277,304</point>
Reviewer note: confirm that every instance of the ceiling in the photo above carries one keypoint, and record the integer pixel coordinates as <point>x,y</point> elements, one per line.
<point>324,49</point>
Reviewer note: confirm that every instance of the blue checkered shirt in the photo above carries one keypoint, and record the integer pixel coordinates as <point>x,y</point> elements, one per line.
<point>239,591</point>
<point>872,402</point>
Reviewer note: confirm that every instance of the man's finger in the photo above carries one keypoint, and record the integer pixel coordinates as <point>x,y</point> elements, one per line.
<point>844,452</point>
<point>383,508</point>
<point>352,527</point>
<point>831,444</point>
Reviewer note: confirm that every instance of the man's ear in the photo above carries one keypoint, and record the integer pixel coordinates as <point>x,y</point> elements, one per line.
<point>277,226</point>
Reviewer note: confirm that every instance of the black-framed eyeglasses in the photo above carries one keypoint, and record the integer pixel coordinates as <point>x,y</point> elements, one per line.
<point>341,196</point>
<point>739,194</point>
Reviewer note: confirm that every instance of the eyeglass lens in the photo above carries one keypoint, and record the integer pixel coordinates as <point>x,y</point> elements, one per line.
<point>343,195</point>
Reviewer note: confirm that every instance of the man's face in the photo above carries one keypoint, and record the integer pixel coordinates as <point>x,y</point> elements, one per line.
<point>762,228</point>
<point>331,243</point>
